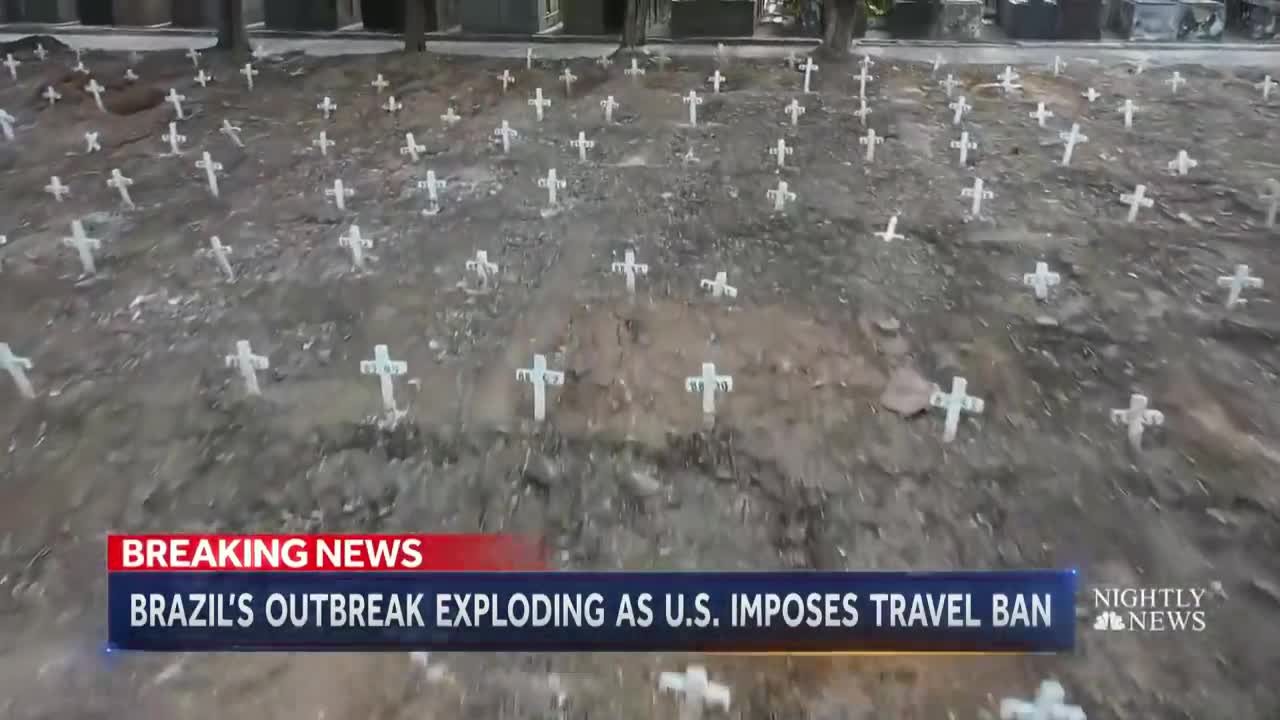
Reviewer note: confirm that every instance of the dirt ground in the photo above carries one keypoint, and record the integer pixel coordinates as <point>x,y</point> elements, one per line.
<point>140,426</point>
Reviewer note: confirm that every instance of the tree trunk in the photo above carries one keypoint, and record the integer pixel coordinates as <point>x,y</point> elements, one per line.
<point>842,19</point>
<point>415,26</point>
<point>636,23</point>
<point>232,34</point>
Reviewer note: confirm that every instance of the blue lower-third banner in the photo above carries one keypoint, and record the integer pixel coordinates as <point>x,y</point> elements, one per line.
<point>752,612</point>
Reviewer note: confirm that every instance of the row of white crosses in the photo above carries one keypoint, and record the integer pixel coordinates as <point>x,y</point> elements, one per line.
<point>1040,280</point>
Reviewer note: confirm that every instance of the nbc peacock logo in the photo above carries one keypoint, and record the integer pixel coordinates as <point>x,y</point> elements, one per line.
<point>1108,620</point>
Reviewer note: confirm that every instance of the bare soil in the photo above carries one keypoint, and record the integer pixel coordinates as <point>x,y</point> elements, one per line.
<point>141,426</point>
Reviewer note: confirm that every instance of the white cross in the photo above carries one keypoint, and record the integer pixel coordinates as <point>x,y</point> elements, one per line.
<point>965,145</point>
<point>938,62</point>
<point>1058,66</point>
<point>505,133</point>
<point>56,188</point>
<point>862,77</point>
<point>194,56</point>
<point>121,185</point>
<point>220,253</point>
<point>1090,95</point>
<point>662,60</point>
<point>539,377</point>
<point>1236,283</point>
<point>720,287</point>
<point>1137,199</point>
<point>506,79</point>
<point>482,267</point>
<point>173,98</point>
<point>1175,81</point>
<point>722,55</point>
<point>231,131</point>
<point>979,193</point>
<point>1041,114</point>
<point>959,106</point>
<point>339,193</point>
<point>80,67</point>
<point>780,196</point>
<point>327,107</point>
<point>551,184</point>
<point>795,110</point>
<point>630,268</point>
<point>862,112</point>
<point>528,59</point>
<point>949,84</point>
<point>696,689</point>
<point>357,244</point>
<point>583,145</point>
<point>1071,139</point>
<point>1008,79</point>
<point>635,71</point>
<point>1048,705</point>
<point>1273,201</point>
<point>379,83</point>
<point>175,139</point>
<point>259,53</point>
<point>1182,163</point>
<point>1041,280</point>
<point>809,67</point>
<point>537,102</point>
<point>708,383</point>
<point>12,63</point>
<point>693,101</point>
<point>84,246</point>
<point>781,151</point>
<point>890,233</point>
<point>609,105</point>
<point>6,124</point>
<point>41,52</point>
<point>716,80</point>
<point>568,78</point>
<point>433,186</point>
<point>1266,86</point>
<point>450,117</point>
<point>1137,417</point>
<point>871,140</point>
<point>17,368</point>
<point>1128,108</point>
<point>411,147</point>
<point>954,403</point>
<point>604,61</point>
<point>203,79</point>
<point>248,72</point>
<point>385,368</point>
<point>392,106</point>
<point>323,142</point>
<point>53,96</point>
<point>130,75</point>
<point>866,62</point>
<point>91,142</point>
<point>248,364</point>
<point>211,169</point>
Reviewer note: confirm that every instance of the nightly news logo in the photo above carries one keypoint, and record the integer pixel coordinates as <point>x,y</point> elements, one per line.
<point>1149,609</point>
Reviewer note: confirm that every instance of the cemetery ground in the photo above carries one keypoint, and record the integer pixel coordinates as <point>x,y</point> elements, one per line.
<point>823,455</point>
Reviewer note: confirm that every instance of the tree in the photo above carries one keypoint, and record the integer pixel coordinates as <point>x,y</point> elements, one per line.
<point>635,23</point>
<point>841,20</point>
<point>415,26</point>
<point>232,33</point>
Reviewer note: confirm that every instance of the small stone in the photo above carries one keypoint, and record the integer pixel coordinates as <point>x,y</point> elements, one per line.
<point>907,393</point>
<point>888,324</point>
<point>642,484</point>
<point>542,471</point>
<point>1046,321</point>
